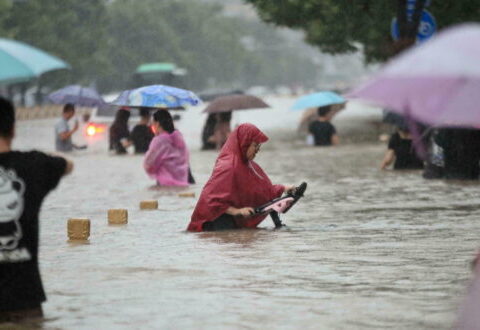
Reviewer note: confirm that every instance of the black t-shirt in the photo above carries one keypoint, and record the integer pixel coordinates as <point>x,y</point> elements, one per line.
<point>322,132</point>
<point>141,137</point>
<point>25,180</point>
<point>461,150</point>
<point>117,133</point>
<point>405,156</point>
<point>208,131</point>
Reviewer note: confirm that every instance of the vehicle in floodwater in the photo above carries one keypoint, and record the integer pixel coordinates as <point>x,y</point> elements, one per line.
<point>164,73</point>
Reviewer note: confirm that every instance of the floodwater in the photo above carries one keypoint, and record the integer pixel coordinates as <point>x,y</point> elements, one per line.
<point>364,249</point>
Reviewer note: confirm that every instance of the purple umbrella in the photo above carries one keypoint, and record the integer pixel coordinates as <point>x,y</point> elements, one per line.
<point>78,95</point>
<point>469,318</point>
<point>437,83</point>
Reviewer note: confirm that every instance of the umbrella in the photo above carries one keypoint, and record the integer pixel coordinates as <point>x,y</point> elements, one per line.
<point>468,316</point>
<point>155,68</point>
<point>210,95</point>
<point>235,102</point>
<point>316,100</point>
<point>436,83</point>
<point>76,94</point>
<point>20,62</point>
<point>157,96</point>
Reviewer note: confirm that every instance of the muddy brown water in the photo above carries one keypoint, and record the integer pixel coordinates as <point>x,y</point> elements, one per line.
<point>364,249</point>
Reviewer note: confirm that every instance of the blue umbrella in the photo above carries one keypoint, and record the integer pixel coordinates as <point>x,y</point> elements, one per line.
<point>318,100</point>
<point>157,96</point>
<point>76,94</point>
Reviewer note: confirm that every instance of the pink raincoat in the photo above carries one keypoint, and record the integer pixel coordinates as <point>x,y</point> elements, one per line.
<point>167,159</point>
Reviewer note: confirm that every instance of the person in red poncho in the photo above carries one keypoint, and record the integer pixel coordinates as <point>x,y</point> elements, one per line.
<point>236,186</point>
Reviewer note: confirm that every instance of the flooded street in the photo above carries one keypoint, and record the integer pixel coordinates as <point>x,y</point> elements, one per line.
<point>364,249</point>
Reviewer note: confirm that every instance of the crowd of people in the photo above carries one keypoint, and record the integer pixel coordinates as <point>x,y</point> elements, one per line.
<point>27,177</point>
<point>226,202</point>
<point>452,153</point>
<point>448,153</point>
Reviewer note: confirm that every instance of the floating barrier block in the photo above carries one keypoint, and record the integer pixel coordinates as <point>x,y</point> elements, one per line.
<point>186,194</point>
<point>117,216</point>
<point>148,205</point>
<point>78,229</point>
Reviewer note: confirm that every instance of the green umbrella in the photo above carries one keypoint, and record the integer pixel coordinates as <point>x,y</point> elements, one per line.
<point>156,67</point>
<point>20,62</point>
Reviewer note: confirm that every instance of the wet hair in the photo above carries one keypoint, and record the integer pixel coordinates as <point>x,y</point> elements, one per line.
<point>86,117</point>
<point>165,120</point>
<point>323,111</point>
<point>225,116</point>
<point>7,118</point>
<point>121,117</point>
<point>68,108</point>
<point>144,112</point>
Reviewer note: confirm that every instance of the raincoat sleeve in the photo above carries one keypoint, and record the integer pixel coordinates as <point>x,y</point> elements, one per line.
<point>277,190</point>
<point>220,190</point>
<point>155,155</point>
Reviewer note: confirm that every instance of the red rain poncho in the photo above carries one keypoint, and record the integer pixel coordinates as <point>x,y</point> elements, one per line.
<point>235,182</point>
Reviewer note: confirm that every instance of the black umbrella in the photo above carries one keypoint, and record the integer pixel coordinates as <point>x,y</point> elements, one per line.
<point>210,95</point>
<point>235,102</point>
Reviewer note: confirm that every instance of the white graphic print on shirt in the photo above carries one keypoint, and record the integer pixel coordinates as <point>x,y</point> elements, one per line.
<point>11,208</point>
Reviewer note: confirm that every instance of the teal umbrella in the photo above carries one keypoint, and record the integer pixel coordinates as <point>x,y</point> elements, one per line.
<point>20,62</point>
<point>156,67</point>
<point>318,100</point>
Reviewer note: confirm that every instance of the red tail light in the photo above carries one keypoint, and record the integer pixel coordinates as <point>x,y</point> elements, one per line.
<point>93,129</point>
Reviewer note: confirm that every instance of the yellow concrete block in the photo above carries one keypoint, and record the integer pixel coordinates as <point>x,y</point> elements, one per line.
<point>148,205</point>
<point>78,229</point>
<point>117,216</point>
<point>186,194</point>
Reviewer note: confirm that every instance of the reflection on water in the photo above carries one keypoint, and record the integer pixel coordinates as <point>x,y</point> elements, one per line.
<point>364,248</point>
<point>244,237</point>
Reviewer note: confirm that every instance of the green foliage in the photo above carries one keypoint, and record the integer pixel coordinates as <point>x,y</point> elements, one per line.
<point>5,6</point>
<point>70,29</point>
<point>342,26</point>
<point>191,35</point>
<point>199,38</point>
<point>104,41</point>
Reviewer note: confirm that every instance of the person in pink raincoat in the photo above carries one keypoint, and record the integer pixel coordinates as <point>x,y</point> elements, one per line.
<point>167,157</point>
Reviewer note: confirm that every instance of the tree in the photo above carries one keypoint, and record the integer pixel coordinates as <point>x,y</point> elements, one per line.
<point>104,42</point>
<point>341,26</point>
<point>197,37</point>
<point>70,29</point>
<point>4,10</point>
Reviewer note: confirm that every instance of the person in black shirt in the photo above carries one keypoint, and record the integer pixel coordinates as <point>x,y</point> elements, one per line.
<point>207,132</point>
<point>324,133</point>
<point>119,133</point>
<point>401,150</point>
<point>461,151</point>
<point>25,179</point>
<point>435,163</point>
<point>142,133</point>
